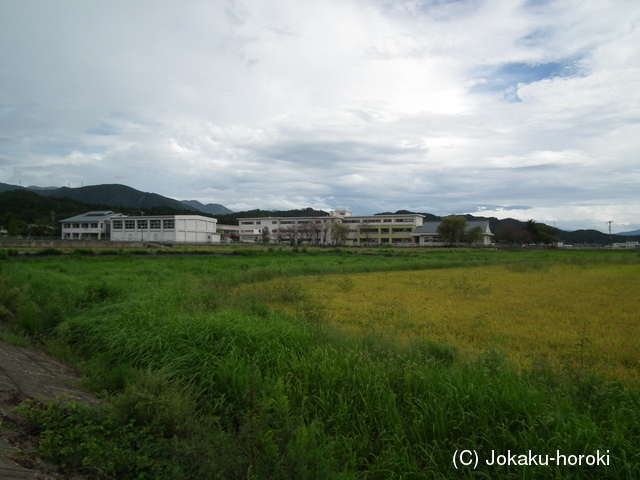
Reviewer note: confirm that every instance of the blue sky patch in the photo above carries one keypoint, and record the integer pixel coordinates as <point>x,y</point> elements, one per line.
<point>506,77</point>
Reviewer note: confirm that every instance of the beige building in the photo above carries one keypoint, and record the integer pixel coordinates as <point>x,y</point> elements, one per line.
<point>392,229</point>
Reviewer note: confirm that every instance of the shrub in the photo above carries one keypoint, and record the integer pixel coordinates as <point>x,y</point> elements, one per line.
<point>100,443</point>
<point>11,300</point>
<point>154,398</point>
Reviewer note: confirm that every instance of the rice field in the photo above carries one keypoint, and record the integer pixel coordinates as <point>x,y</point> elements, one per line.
<point>567,315</point>
<point>327,364</point>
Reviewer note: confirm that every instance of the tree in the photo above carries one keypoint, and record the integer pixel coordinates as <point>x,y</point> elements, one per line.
<point>17,227</point>
<point>451,228</point>
<point>509,233</point>
<point>367,229</point>
<point>305,232</point>
<point>289,233</point>
<point>266,238</point>
<point>315,230</point>
<point>339,233</point>
<point>474,235</point>
<point>540,233</point>
<point>327,228</point>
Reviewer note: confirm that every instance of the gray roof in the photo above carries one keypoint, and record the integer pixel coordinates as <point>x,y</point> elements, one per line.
<point>92,217</point>
<point>431,228</point>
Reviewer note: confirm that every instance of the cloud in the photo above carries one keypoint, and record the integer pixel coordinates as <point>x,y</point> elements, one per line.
<point>434,105</point>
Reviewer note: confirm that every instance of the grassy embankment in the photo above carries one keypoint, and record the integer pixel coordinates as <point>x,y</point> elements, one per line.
<point>267,382</point>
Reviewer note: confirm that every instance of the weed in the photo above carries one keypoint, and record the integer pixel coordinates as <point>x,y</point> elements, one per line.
<point>153,398</point>
<point>11,300</point>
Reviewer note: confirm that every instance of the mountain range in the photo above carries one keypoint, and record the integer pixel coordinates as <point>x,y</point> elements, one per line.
<point>117,195</point>
<point>632,233</point>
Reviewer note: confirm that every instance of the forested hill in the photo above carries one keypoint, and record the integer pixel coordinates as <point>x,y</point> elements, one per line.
<point>29,207</point>
<point>118,196</point>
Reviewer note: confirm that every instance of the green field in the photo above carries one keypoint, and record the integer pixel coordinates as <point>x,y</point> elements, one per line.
<point>271,363</point>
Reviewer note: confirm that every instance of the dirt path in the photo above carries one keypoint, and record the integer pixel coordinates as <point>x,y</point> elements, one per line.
<point>30,373</point>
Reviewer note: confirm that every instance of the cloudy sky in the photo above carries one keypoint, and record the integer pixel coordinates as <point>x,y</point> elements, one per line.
<point>520,108</point>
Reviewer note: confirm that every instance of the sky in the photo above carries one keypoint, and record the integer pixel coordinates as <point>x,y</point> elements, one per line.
<point>510,108</point>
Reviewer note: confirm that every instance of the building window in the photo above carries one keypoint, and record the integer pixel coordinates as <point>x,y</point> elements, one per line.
<point>155,224</point>
<point>76,225</point>
<point>286,222</point>
<point>274,222</point>
<point>117,224</point>
<point>387,220</point>
<point>142,224</point>
<point>85,225</point>
<point>168,224</point>
<point>384,230</point>
<point>129,224</point>
<point>246,223</point>
<point>258,223</point>
<point>94,225</point>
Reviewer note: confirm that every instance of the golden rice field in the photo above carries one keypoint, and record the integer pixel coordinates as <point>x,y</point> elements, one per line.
<point>586,316</point>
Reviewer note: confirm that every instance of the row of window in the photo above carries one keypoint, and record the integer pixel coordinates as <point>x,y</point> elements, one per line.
<point>385,220</point>
<point>81,225</point>
<point>282,222</point>
<point>168,224</point>
<point>385,230</point>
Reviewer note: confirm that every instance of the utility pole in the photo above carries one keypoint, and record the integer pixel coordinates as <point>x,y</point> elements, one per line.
<point>610,243</point>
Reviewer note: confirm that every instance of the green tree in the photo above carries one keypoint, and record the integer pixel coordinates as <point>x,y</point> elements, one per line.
<point>540,233</point>
<point>452,228</point>
<point>266,237</point>
<point>17,227</point>
<point>510,233</point>
<point>339,233</point>
<point>474,235</point>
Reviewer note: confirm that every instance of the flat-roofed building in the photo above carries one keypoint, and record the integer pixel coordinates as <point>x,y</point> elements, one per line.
<point>229,233</point>
<point>165,228</point>
<point>391,229</point>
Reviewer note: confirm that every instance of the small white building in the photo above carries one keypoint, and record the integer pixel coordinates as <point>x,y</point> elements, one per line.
<point>626,245</point>
<point>427,234</point>
<point>165,228</point>
<point>229,233</point>
<point>88,226</point>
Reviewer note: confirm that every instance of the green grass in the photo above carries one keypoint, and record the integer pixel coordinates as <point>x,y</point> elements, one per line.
<point>242,390</point>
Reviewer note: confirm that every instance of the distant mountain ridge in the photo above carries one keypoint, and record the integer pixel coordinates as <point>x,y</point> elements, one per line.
<point>117,195</point>
<point>211,208</point>
<point>632,233</point>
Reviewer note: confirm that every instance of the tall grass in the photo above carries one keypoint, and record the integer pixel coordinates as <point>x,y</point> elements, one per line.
<point>268,392</point>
